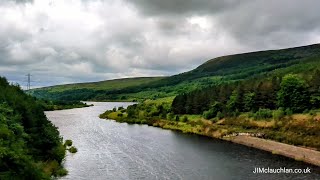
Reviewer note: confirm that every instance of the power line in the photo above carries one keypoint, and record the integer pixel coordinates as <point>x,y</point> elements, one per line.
<point>29,81</point>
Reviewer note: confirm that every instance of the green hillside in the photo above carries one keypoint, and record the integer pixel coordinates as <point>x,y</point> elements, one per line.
<point>104,85</point>
<point>92,90</point>
<point>216,71</point>
<point>275,94</point>
<point>30,145</point>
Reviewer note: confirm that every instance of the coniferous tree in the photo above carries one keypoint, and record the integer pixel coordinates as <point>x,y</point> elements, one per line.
<point>315,89</point>
<point>232,102</point>
<point>293,94</point>
<point>248,101</point>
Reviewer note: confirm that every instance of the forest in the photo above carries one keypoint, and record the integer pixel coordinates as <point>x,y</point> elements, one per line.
<point>30,145</point>
<point>290,93</point>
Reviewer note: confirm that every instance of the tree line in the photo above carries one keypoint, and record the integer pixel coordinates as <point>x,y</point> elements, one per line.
<point>30,145</point>
<point>296,93</point>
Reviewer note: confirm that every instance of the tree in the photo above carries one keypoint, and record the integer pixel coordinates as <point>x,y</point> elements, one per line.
<point>315,89</point>
<point>178,104</point>
<point>315,82</point>
<point>28,140</point>
<point>236,100</point>
<point>248,101</point>
<point>232,102</point>
<point>131,111</point>
<point>208,114</point>
<point>293,93</point>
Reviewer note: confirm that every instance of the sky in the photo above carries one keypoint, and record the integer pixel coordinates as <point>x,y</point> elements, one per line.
<point>70,41</point>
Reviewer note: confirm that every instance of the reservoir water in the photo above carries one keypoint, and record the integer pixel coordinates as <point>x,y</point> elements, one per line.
<point>111,150</point>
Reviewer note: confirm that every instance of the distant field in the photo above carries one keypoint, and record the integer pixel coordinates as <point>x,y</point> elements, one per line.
<point>104,85</point>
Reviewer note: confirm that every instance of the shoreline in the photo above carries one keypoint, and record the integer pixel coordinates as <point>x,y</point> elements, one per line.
<point>294,152</point>
<point>305,155</point>
<point>291,151</point>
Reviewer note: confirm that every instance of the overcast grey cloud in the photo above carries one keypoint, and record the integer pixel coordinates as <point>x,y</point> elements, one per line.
<point>65,41</point>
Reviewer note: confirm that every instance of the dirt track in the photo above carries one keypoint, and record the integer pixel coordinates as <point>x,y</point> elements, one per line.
<point>298,153</point>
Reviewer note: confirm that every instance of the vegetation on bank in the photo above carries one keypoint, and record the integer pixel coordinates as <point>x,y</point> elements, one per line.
<point>276,93</point>
<point>68,144</point>
<point>52,105</point>
<point>281,125</point>
<point>30,145</point>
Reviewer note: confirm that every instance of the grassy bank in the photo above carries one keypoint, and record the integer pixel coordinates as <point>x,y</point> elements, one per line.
<point>300,130</point>
<point>60,105</point>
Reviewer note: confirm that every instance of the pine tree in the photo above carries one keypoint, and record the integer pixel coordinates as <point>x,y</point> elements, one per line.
<point>293,94</point>
<point>315,89</point>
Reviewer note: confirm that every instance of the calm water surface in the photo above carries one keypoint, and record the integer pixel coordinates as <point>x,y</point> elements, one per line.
<point>110,150</point>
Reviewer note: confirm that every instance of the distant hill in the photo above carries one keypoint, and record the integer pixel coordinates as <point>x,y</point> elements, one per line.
<point>247,64</point>
<point>103,85</point>
<point>218,70</point>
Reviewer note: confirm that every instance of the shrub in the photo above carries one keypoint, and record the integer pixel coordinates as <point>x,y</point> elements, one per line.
<point>120,108</point>
<point>288,112</point>
<point>61,172</point>
<point>58,153</point>
<point>73,149</point>
<point>235,113</point>
<point>170,116</point>
<point>131,111</point>
<point>214,120</point>
<point>177,118</point>
<point>163,115</point>
<point>68,142</point>
<point>220,115</point>
<point>263,114</point>
<point>208,114</point>
<point>312,113</point>
<point>184,119</point>
<point>278,114</point>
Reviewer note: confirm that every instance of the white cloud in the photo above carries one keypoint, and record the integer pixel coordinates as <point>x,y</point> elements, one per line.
<point>77,40</point>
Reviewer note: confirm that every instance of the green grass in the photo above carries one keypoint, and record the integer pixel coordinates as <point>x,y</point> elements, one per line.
<point>104,85</point>
<point>160,100</point>
<point>298,129</point>
<point>193,117</point>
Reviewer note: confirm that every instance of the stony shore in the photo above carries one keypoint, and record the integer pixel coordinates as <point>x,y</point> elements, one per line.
<point>298,153</point>
<point>294,152</point>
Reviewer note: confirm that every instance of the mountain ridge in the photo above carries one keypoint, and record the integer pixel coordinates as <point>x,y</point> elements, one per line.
<point>229,67</point>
